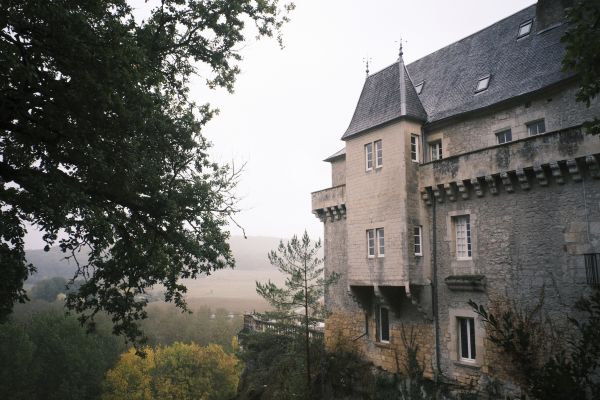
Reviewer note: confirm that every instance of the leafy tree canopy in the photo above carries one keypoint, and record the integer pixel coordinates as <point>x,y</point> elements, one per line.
<point>179,371</point>
<point>582,42</point>
<point>49,289</point>
<point>99,141</point>
<point>47,355</point>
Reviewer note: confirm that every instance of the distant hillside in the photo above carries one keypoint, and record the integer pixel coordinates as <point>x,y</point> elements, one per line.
<point>50,264</point>
<point>250,254</point>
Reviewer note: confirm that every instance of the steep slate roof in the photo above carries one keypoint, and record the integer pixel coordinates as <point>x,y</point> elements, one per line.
<point>451,74</point>
<point>387,95</point>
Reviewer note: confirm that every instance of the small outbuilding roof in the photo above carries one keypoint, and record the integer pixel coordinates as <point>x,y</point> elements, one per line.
<point>338,154</point>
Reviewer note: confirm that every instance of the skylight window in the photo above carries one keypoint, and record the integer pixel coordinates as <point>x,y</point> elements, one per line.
<point>482,84</point>
<point>419,87</point>
<point>525,28</point>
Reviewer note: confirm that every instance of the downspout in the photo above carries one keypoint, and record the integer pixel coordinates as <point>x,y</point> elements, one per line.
<point>434,292</point>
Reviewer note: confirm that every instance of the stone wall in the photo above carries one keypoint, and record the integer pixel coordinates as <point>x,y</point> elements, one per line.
<point>532,222</point>
<point>377,199</point>
<point>557,107</point>
<point>346,329</point>
<point>529,245</point>
<point>338,171</point>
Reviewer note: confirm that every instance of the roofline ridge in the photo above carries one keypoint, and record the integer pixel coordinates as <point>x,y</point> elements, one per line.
<point>474,33</point>
<point>383,69</point>
<point>402,88</point>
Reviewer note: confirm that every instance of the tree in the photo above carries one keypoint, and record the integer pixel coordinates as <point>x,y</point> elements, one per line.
<point>582,43</point>
<point>47,355</point>
<point>180,371</point>
<point>49,289</point>
<point>305,286</point>
<point>100,145</point>
<point>546,369</point>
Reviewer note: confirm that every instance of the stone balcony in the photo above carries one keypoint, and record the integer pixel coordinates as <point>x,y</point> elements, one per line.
<point>551,157</point>
<point>329,204</point>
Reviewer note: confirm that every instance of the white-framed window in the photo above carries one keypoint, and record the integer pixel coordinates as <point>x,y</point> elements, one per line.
<point>418,240</point>
<point>536,127</point>
<point>384,324</point>
<point>504,136</point>
<point>435,149</point>
<point>378,154</point>
<point>525,28</point>
<point>414,147</point>
<point>380,242</point>
<point>368,156</point>
<point>466,339</point>
<point>462,229</point>
<point>370,243</point>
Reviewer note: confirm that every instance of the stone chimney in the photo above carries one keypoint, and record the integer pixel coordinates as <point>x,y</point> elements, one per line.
<point>550,12</point>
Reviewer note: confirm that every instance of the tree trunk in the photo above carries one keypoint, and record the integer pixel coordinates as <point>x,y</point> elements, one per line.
<point>306,331</point>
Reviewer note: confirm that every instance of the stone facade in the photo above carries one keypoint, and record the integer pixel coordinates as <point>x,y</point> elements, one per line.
<point>498,222</point>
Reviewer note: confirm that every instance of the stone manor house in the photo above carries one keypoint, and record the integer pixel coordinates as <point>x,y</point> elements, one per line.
<point>464,175</point>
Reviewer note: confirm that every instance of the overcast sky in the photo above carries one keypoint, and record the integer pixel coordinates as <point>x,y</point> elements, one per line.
<point>292,105</point>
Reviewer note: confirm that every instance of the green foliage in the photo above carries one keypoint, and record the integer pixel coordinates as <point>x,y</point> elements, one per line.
<point>180,371</point>
<point>49,289</point>
<point>519,333</point>
<point>17,353</point>
<point>99,141</point>
<point>47,355</point>
<point>305,286</point>
<point>582,43</point>
<point>273,370</point>
<point>305,282</point>
<point>166,325</point>
<point>568,372</point>
<point>275,366</point>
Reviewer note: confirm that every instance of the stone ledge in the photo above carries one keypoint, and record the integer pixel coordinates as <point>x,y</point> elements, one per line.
<point>550,158</point>
<point>477,186</point>
<point>330,204</point>
<point>467,283</point>
<point>467,365</point>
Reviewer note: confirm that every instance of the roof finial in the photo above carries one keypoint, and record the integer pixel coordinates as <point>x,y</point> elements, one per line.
<point>366,60</point>
<point>400,52</point>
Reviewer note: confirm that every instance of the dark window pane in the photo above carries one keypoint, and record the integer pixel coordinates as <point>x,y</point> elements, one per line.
<point>385,325</point>
<point>464,340</point>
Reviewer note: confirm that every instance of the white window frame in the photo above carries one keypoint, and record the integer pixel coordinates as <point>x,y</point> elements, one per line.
<point>414,147</point>
<point>469,354</point>
<point>435,150</point>
<point>378,154</point>
<point>368,156</point>
<point>381,330</point>
<point>371,243</point>
<point>380,242</point>
<point>503,133</point>
<point>418,240</point>
<point>462,237</point>
<point>537,124</point>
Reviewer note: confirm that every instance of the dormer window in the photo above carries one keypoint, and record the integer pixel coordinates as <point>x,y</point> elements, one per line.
<point>525,28</point>
<point>482,84</point>
<point>419,87</point>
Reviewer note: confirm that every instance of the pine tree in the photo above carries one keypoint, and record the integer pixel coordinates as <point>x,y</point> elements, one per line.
<point>305,285</point>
